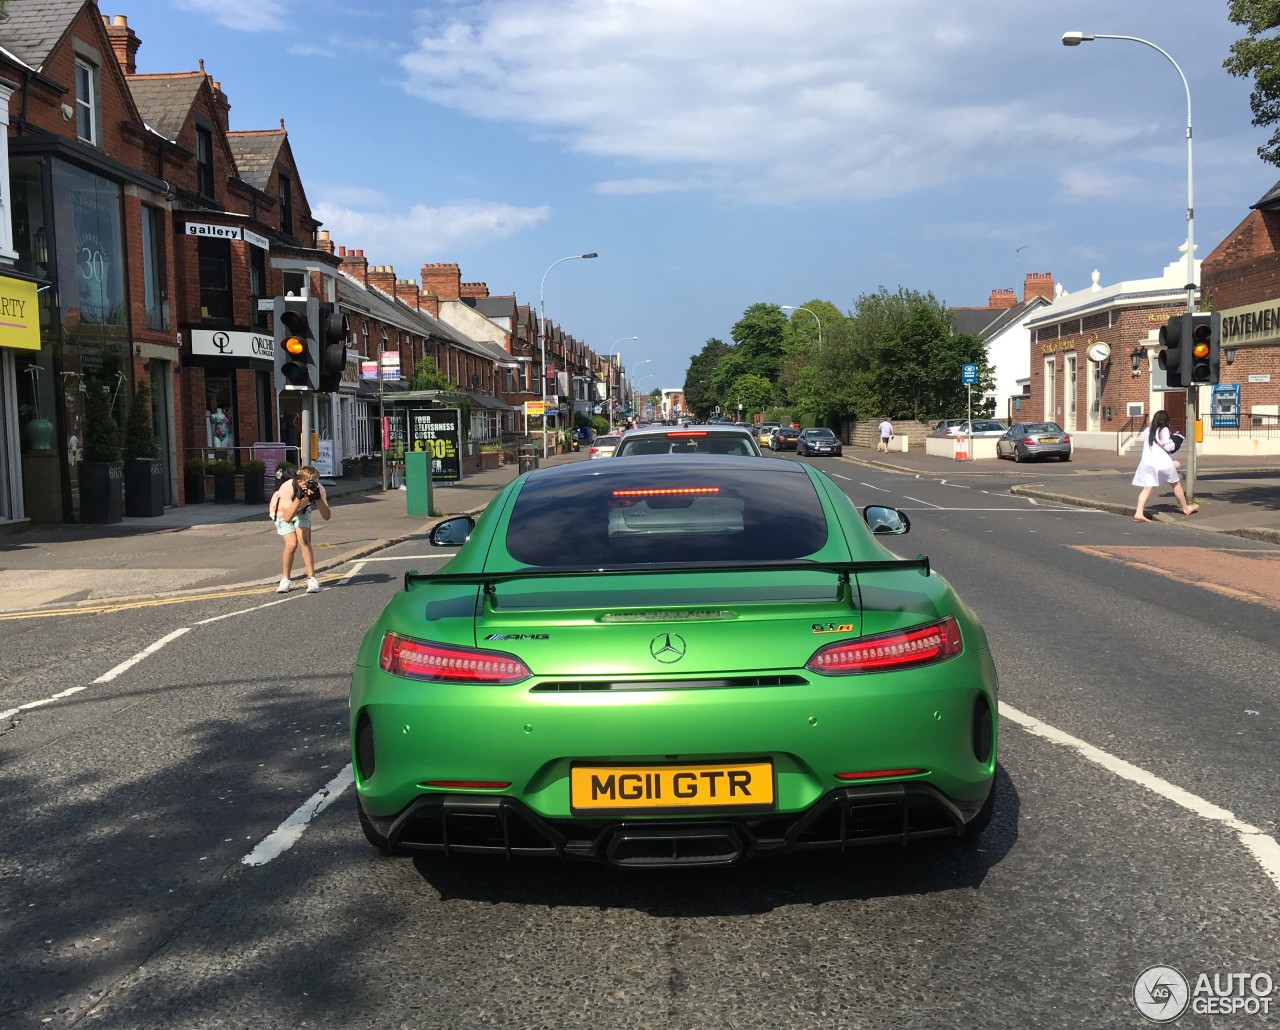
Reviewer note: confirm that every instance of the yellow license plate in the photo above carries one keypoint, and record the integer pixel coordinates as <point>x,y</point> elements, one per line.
<point>659,788</point>
<point>1048,439</point>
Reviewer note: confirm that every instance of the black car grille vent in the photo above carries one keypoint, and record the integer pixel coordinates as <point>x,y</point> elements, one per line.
<point>716,683</point>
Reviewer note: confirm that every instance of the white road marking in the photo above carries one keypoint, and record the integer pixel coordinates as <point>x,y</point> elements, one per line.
<point>11,712</point>
<point>243,611</point>
<point>1264,848</point>
<point>415,557</point>
<point>871,486</point>
<point>287,834</point>
<point>927,504</point>
<point>355,571</point>
<point>150,649</point>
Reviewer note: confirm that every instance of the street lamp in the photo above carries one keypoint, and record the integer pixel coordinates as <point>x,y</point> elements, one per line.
<point>1193,394</point>
<point>542,334</point>
<point>788,307</point>
<point>609,382</point>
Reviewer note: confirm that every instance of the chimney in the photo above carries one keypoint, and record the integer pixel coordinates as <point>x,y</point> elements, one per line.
<point>407,291</point>
<point>354,264</point>
<point>383,277</point>
<point>124,41</point>
<point>1002,299</point>
<point>222,105</point>
<point>1038,284</point>
<point>323,242</point>
<point>444,281</point>
<point>475,290</point>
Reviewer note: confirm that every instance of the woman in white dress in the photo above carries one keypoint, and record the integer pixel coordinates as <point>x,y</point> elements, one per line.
<point>1157,466</point>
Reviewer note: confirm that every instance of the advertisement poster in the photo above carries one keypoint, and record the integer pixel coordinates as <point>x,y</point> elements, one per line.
<point>438,431</point>
<point>323,461</point>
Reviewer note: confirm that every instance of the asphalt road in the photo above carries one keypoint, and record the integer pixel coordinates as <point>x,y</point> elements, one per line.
<point>170,856</point>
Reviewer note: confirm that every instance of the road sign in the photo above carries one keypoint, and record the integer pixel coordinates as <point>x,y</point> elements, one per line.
<point>969,374</point>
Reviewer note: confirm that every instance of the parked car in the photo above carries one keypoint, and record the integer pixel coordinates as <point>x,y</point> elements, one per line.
<point>721,439</point>
<point>949,426</point>
<point>763,431</point>
<point>982,427</point>
<point>696,686</point>
<point>784,439</point>
<point>603,446</point>
<point>818,441</point>
<point>1025,440</point>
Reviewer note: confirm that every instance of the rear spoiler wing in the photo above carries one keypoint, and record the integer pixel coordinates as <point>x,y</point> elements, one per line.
<point>842,570</point>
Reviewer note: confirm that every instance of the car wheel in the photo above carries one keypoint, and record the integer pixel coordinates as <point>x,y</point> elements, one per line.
<point>1017,456</point>
<point>371,834</point>
<point>985,814</point>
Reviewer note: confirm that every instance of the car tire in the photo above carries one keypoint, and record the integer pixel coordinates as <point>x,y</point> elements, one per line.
<point>1017,456</point>
<point>985,814</point>
<point>371,834</point>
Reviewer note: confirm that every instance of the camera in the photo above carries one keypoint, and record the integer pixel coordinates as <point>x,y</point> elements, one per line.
<point>311,490</point>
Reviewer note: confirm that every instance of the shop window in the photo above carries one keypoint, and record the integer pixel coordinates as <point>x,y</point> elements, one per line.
<point>153,269</point>
<point>220,422</point>
<point>294,283</point>
<point>86,101</point>
<point>215,280</point>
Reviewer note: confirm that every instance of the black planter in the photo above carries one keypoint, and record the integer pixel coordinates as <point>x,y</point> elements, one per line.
<point>101,491</point>
<point>255,488</point>
<point>193,487</point>
<point>143,488</point>
<point>224,488</point>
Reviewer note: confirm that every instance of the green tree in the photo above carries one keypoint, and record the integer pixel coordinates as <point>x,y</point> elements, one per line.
<point>699,394</point>
<point>759,337</point>
<point>139,436</point>
<point>427,376</point>
<point>1257,56</point>
<point>753,392</point>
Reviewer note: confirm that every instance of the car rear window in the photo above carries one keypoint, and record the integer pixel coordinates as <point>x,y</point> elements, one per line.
<point>688,442</point>
<point>685,512</point>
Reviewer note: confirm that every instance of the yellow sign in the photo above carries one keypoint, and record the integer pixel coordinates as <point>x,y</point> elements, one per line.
<point>19,314</point>
<point>666,787</point>
<point>532,408</point>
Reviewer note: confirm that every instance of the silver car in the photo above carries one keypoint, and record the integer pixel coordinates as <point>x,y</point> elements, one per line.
<point>603,446</point>
<point>721,439</point>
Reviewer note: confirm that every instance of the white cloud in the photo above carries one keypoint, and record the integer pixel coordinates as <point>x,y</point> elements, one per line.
<point>246,15</point>
<point>817,99</point>
<point>360,218</point>
<point>635,187</point>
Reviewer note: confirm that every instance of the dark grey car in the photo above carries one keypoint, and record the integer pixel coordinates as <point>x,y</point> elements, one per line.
<point>818,441</point>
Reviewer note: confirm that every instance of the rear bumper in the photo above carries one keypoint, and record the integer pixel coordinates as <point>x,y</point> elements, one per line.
<point>844,818</point>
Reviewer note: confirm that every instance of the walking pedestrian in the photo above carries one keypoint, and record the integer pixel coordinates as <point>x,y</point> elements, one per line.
<point>291,507</point>
<point>1157,465</point>
<point>886,434</point>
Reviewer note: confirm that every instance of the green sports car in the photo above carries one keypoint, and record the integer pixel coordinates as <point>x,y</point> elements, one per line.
<point>718,661</point>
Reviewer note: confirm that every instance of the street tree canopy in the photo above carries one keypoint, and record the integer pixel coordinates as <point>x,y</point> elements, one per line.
<point>1257,56</point>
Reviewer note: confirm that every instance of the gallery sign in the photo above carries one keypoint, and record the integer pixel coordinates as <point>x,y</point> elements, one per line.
<point>227,232</point>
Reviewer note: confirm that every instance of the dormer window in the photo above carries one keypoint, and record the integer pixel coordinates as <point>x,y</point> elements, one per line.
<point>86,101</point>
<point>204,161</point>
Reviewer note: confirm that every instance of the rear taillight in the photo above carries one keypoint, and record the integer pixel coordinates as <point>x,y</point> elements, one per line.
<point>1030,441</point>
<point>1066,439</point>
<point>901,649</point>
<point>445,663</point>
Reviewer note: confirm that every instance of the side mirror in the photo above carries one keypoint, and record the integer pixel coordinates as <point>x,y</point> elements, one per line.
<point>452,532</point>
<point>886,520</point>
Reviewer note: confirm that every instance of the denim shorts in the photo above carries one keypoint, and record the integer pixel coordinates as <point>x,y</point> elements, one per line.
<point>286,527</point>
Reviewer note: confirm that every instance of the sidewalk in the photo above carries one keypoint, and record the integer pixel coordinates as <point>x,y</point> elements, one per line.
<point>207,547</point>
<point>204,547</point>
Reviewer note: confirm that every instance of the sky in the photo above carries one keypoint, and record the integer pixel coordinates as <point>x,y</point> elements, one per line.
<point>722,153</point>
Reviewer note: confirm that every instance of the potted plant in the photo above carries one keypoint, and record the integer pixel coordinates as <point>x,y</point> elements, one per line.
<point>224,482</point>
<point>490,455</point>
<point>255,486</point>
<point>101,472</point>
<point>193,480</point>
<point>143,471</point>
<point>351,467</point>
<point>284,470</point>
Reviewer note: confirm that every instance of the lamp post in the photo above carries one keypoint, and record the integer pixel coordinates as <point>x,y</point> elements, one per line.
<point>1193,393</point>
<point>609,383</point>
<point>788,307</point>
<point>542,334</point>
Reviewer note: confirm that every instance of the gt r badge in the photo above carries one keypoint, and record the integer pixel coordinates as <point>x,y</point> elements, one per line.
<point>833,627</point>
<point>667,647</point>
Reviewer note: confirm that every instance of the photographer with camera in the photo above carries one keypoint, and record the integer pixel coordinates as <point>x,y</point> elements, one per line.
<point>290,508</point>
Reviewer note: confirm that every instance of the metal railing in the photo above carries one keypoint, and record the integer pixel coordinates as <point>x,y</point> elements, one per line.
<point>1134,425</point>
<point>1260,426</point>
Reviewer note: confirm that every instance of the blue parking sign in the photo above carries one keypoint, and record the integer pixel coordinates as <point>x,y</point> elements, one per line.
<point>969,374</point>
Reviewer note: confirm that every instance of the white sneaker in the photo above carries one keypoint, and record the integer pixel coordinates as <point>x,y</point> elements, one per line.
<point>284,586</point>
<point>313,585</point>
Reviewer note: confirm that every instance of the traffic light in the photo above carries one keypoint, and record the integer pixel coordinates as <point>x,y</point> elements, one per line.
<point>1174,335</point>
<point>1203,356</point>
<point>332,324</point>
<point>296,347</point>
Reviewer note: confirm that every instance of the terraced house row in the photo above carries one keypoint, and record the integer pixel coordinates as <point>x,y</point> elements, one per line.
<point>141,242</point>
